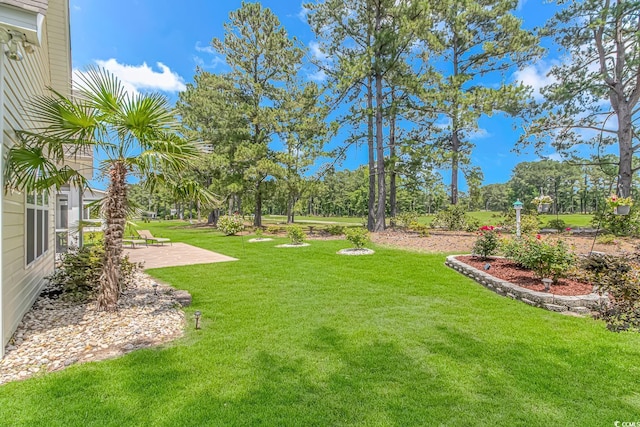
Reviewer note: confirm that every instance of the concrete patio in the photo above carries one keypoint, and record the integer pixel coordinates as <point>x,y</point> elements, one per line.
<point>158,256</point>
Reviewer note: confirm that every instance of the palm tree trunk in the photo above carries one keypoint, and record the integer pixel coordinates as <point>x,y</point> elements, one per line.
<point>115,211</point>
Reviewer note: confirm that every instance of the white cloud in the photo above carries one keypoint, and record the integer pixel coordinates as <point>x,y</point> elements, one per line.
<point>207,64</point>
<point>136,78</point>
<point>206,48</point>
<point>536,76</point>
<point>213,63</point>
<point>302,15</point>
<point>554,156</point>
<point>479,133</point>
<point>443,123</point>
<point>318,76</point>
<point>521,3</point>
<point>321,59</point>
<point>316,52</point>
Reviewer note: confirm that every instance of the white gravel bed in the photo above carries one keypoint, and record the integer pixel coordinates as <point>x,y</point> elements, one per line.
<point>356,251</point>
<point>55,333</point>
<point>293,245</point>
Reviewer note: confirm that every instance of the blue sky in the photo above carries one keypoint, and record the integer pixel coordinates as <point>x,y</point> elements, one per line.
<point>157,45</point>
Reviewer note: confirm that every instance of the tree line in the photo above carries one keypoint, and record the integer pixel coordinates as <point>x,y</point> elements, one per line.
<point>409,80</point>
<point>573,187</point>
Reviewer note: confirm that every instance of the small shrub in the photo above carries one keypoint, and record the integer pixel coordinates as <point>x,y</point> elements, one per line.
<point>273,229</point>
<point>472,224</point>
<point>557,224</point>
<point>453,218</point>
<point>619,225</point>
<point>230,224</point>
<point>357,236</point>
<point>407,219</point>
<point>259,232</point>
<point>529,224</point>
<point>336,230</point>
<point>606,239</point>
<point>546,259</point>
<point>421,229</point>
<point>619,276</point>
<point>295,234</point>
<point>78,276</point>
<point>487,243</point>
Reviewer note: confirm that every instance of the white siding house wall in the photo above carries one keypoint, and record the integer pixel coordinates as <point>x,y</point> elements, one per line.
<point>21,283</point>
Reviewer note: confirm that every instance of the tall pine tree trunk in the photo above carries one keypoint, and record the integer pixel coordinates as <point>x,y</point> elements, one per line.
<point>455,137</point>
<point>291,205</point>
<point>455,149</point>
<point>393,202</point>
<point>257,220</point>
<point>382,186</point>
<point>371,217</point>
<point>115,211</point>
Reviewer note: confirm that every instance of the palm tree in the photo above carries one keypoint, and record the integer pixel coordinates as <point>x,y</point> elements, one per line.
<point>132,134</point>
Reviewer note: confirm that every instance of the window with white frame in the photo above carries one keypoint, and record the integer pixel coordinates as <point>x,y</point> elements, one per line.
<point>37,221</point>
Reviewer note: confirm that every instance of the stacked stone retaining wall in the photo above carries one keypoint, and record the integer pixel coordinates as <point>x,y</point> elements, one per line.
<point>580,304</point>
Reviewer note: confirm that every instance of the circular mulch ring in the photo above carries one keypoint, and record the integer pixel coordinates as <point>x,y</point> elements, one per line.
<point>293,245</point>
<point>356,251</point>
<point>260,239</point>
<point>505,269</point>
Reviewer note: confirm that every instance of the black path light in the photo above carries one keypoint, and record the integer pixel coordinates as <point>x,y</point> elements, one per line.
<point>197,315</point>
<point>155,288</point>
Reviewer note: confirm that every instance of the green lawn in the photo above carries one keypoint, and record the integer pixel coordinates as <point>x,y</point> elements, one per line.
<point>342,220</point>
<point>491,218</point>
<point>297,337</point>
<point>485,218</point>
<point>572,220</point>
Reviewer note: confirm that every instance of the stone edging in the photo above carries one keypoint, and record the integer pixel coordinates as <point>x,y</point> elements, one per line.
<point>580,304</point>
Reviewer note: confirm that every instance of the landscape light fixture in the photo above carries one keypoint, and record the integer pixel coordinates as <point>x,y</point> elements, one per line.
<point>197,315</point>
<point>547,284</point>
<point>155,288</point>
<point>487,266</point>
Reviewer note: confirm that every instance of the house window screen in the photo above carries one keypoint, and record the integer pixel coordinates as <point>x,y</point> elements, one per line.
<point>37,226</point>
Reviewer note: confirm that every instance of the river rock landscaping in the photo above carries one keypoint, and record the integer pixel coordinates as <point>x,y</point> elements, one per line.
<point>57,333</point>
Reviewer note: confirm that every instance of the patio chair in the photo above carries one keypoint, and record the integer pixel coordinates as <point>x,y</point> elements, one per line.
<point>146,235</point>
<point>133,242</point>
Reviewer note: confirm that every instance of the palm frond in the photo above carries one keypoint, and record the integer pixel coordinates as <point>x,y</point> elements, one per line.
<point>63,125</point>
<point>165,152</point>
<point>101,90</point>
<point>29,169</point>
<point>184,189</point>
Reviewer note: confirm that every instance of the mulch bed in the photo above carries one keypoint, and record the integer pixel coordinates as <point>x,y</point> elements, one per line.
<point>507,270</point>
